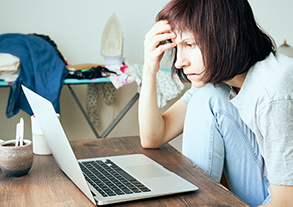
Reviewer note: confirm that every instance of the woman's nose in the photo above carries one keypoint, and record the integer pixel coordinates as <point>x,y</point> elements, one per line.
<point>181,60</point>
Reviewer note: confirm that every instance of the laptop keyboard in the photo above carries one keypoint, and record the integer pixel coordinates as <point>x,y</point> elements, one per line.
<point>109,179</point>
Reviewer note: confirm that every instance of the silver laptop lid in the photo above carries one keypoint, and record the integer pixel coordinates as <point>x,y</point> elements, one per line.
<point>56,139</point>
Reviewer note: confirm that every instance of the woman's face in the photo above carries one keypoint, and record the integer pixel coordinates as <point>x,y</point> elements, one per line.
<point>189,58</point>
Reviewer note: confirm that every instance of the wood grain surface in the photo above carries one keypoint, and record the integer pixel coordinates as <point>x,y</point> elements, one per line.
<point>47,185</point>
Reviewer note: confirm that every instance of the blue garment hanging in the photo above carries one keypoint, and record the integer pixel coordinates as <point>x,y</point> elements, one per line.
<point>41,70</point>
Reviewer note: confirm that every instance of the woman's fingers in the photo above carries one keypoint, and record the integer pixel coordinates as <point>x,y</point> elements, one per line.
<point>158,35</point>
<point>159,40</point>
<point>160,27</point>
<point>156,43</point>
<point>162,47</point>
<point>157,46</point>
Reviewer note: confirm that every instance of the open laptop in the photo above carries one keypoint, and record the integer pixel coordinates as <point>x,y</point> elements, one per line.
<point>104,180</point>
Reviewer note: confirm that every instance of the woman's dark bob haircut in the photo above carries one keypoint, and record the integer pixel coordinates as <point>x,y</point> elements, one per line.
<point>226,32</point>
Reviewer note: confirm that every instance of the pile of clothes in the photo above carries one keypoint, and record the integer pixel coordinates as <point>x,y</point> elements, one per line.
<point>40,68</point>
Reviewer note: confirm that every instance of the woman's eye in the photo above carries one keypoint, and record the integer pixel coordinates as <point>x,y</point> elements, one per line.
<point>190,45</point>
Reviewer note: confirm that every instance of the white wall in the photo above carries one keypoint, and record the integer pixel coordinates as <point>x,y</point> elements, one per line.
<point>77,25</point>
<point>275,17</point>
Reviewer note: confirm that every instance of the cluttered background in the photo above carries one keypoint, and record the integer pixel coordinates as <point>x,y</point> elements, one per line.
<point>77,27</point>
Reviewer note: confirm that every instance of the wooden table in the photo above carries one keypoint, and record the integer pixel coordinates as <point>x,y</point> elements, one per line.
<point>47,185</point>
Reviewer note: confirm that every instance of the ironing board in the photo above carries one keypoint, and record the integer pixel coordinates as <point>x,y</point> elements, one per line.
<point>70,82</point>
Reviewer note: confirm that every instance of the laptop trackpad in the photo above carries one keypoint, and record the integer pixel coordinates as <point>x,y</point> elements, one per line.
<point>148,171</point>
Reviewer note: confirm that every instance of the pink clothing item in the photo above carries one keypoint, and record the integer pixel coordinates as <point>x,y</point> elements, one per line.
<point>122,76</point>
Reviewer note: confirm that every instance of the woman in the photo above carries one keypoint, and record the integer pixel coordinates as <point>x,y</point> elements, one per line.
<point>224,54</point>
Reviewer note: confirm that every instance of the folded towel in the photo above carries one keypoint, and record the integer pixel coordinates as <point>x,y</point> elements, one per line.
<point>9,67</point>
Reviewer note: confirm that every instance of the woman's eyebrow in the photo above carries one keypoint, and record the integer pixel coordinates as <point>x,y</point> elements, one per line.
<point>187,39</point>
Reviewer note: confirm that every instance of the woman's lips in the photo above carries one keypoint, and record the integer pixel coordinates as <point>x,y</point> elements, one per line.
<point>190,74</point>
<point>194,74</point>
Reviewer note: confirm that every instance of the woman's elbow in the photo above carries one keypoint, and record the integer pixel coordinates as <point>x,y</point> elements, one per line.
<point>148,144</point>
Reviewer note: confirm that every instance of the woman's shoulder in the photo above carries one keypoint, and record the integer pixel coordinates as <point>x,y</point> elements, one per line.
<point>275,74</point>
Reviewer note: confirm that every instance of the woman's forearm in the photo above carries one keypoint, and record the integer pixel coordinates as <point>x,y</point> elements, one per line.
<point>151,122</point>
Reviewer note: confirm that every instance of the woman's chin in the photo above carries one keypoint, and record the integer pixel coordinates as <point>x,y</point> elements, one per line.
<point>197,84</point>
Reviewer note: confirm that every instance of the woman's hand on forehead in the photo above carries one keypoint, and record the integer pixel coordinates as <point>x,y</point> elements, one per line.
<point>162,27</point>
<point>155,43</point>
<point>158,35</point>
